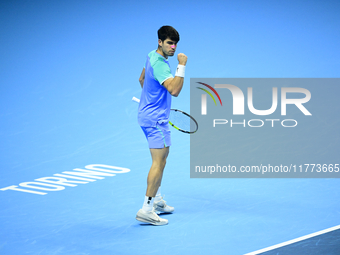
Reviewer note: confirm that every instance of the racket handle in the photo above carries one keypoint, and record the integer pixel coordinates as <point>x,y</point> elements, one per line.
<point>135,99</point>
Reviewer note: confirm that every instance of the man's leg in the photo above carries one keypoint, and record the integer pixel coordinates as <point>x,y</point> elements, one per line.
<point>147,214</point>
<point>155,176</point>
<point>159,157</point>
<point>159,141</point>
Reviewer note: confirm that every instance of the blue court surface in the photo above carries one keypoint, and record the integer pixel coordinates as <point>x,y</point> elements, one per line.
<point>74,161</point>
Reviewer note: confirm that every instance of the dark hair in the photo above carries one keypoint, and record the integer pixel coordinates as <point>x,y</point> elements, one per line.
<point>168,32</point>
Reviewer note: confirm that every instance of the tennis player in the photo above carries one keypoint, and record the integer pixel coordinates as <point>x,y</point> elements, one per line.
<point>158,86</point>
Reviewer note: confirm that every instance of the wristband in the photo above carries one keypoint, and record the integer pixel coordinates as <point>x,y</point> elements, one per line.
<point>180,71</point>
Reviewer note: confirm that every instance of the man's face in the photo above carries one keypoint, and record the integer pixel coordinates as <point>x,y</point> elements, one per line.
<point>168,47</point>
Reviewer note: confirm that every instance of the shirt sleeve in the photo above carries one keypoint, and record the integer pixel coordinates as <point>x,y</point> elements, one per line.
<point>161,71</point>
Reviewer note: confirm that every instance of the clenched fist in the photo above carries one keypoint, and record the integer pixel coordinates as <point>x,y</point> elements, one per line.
<point>182,59</point>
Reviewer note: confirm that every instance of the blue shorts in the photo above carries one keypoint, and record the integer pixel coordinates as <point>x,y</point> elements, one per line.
<point>158,137</point>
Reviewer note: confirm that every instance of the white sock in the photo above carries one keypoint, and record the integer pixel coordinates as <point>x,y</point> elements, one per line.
<point>158,195</point>
<point>148,204</point>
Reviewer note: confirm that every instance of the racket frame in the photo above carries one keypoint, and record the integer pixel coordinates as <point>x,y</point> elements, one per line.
<point>184,131</point>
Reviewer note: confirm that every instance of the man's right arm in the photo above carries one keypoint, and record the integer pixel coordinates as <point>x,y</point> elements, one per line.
<point>142,77</point>
<point>175,85</point>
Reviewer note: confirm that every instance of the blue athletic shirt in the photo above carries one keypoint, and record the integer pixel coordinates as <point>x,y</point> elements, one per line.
<point>155,100</point>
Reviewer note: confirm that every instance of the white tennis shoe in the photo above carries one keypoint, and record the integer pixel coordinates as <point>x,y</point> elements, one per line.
<point>150,217</point>
<point>161,207</point>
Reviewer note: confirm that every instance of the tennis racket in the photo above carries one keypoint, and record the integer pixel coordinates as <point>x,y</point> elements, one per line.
<point>180,120</point>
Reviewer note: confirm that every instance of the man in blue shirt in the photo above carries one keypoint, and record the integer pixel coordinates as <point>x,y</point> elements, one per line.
<point>158,86</point>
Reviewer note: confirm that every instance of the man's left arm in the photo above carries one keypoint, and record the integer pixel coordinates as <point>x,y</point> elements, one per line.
<point>175,85</point>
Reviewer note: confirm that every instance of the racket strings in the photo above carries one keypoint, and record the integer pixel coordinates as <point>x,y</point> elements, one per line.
<point>182,121</point>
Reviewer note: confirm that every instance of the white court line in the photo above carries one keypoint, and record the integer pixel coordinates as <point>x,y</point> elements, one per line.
<point>294,240</point>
